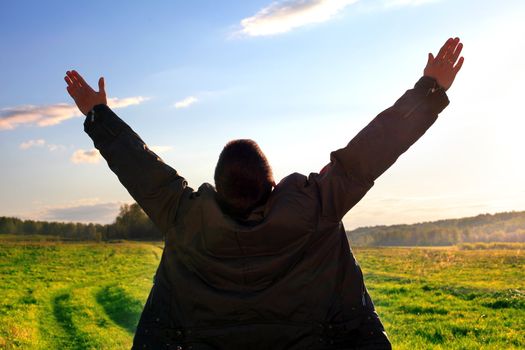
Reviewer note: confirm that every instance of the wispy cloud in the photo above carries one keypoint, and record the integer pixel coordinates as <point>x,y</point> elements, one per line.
<point>53,147</point>
<point>126,102</point>
<point>32,143</point>
<point>188,101</point>
<point>84,210</point>
<point>40,143</point>
<point>91,156</point>
<point>283,16</point>
<point>13,117</point>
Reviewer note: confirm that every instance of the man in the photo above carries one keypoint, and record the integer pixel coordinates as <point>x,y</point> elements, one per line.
<point>254,265</point>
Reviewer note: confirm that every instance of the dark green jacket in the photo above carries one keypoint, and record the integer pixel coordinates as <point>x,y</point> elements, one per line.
<point>285,278</point>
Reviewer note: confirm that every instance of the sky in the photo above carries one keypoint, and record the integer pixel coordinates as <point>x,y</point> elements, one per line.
<point>300,77</point>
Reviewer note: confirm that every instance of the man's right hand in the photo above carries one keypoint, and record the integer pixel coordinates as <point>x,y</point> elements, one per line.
<point>443,68</point>
<point>84,96</point>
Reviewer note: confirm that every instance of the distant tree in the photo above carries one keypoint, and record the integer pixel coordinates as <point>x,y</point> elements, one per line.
<point>8,225</point>
<point>133,223</point>
<point>501,227</point>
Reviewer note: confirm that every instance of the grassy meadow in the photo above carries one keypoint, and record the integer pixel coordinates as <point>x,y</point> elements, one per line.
<point>446,298</point>
<point>73,295</point>
<point>89,296</point>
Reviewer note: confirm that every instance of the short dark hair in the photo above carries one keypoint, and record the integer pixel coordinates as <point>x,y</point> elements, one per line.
<point>243,177</point>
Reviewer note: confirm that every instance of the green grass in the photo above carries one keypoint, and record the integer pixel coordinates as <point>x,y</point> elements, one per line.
<point>74,295</point>
<point>445,298</point>
<point>89,296</point>
<point>491,245</point>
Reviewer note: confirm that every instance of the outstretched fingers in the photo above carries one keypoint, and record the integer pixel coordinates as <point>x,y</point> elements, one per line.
<point>71,88</point>
<point>443,51</point>
<point>73,81</point>
<point>454,57</point>
<point>71,76</point>
<point>458,66</point>
<point>446,64</point>
<point>78,78</point>
<point>78,81</point>
<point>68,81</point>
<point>447,57</point>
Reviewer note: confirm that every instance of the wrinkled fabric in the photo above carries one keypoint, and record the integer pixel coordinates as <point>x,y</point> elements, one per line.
<point>283,278</point>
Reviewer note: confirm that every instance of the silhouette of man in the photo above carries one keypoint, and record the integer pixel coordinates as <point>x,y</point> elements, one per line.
<point>250,264</point>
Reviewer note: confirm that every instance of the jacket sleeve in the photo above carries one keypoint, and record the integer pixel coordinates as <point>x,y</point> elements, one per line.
<point>155,186</point>
<point>354,168</point>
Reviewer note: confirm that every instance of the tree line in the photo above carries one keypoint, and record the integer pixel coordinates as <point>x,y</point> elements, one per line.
<point>131,223</point>
<point>501,227</point>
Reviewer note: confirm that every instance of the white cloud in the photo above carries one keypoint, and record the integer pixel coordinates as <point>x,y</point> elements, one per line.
<point>283,16</point>
<point>41,143</point>
<point>188,101</point>
<point>86,156</point>
<point>32,143</point>
<point>12,117</point>
<point>125,102</point>
<point>53,148</point>
<point>83,210</point>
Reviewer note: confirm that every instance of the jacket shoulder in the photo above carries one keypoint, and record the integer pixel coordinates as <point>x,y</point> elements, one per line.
<point>294,180</point>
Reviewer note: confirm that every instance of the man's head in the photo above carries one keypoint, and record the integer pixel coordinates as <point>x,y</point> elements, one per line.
<point>243,177</point>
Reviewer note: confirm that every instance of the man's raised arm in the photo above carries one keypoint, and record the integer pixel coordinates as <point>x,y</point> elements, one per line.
<point>155,186</point>
<point>353,169</point>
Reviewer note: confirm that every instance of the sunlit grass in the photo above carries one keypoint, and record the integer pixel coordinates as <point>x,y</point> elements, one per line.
<point>60,296</point>
<point>89,296</point>
<point>445,298</point>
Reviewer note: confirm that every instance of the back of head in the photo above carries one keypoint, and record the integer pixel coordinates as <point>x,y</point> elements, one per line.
<point>243,177</point>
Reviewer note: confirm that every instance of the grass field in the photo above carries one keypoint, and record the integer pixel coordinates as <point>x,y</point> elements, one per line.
<point>445,298</point>
<point>89,296</point>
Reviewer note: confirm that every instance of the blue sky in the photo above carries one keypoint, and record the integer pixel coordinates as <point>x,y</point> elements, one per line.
<point>299,77</point>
